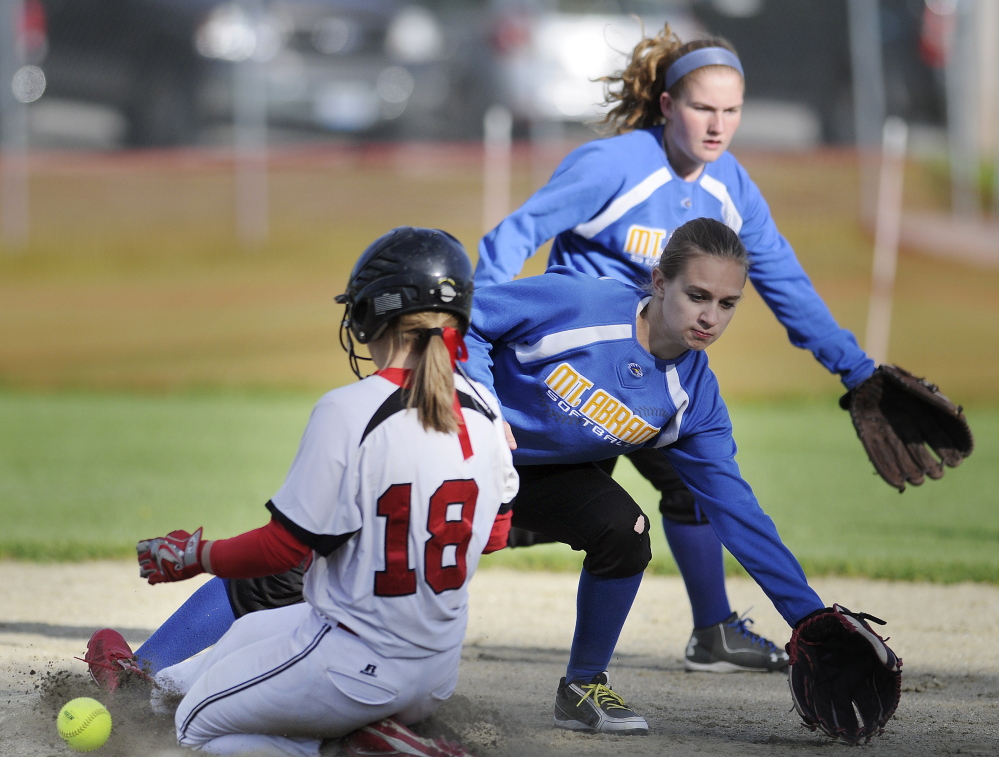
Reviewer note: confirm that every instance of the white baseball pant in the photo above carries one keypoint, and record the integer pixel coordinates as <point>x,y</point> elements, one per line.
<point>282,680</point>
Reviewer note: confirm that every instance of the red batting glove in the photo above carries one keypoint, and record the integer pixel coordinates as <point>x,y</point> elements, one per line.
<point>174,557</point>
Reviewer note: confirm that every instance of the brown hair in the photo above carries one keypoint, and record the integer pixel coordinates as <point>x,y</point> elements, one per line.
<point>431,389</point>
<point>633,94</point>
<point>701,236</point>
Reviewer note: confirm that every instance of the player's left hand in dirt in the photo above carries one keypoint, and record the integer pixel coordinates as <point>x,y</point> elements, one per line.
<point>174,557</point>
<point>899,418</point>
<point>845,681</point>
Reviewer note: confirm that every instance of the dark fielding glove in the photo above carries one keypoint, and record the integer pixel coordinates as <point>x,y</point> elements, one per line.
<point>897,417</point>
<point>840,667</point>
<point>174,557</point>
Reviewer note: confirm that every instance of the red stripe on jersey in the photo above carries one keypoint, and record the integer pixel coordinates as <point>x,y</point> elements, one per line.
<point>400,377</point>
<point>463,437</point>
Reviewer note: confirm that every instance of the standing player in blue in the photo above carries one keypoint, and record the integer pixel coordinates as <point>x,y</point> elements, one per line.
<point>611,206</point>
<point>581,384</point>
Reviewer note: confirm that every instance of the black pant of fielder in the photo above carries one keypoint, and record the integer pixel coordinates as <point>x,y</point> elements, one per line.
<point>676,503</point>
<point>583,506</point>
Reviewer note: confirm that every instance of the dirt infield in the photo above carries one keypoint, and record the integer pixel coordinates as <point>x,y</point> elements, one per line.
<point>519,630</point>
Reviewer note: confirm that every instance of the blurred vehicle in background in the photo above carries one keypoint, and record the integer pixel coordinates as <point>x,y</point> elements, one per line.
<point>799,51</point>
<point>430,69</point>
<point>549,53</point>
<point>167,66</point>
<point>23,45</point>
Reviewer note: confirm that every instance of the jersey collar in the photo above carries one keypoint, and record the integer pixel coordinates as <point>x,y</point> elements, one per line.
<point>398,376</point>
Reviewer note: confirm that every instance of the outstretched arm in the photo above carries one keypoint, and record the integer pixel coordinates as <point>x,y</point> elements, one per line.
<point>577,191</point>
<point>909,430</point>
<point>783,284</point>
<point>704,458</point>
<point>743,527</point>
<point>179,555</point>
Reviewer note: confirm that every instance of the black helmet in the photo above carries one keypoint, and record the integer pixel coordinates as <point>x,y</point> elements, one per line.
<point>405,271</point>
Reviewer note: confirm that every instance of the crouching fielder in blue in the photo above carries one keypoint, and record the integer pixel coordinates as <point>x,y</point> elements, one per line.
<point>587,369</point>
<point>395,492</point>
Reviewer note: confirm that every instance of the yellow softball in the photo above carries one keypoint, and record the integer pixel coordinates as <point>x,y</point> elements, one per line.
<point>84,724</point>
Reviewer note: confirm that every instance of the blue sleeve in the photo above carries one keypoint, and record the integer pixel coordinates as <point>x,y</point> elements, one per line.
<point>479,366</point>
<point>785,287</point>
<point>502,314</point>
<point>704,458</point>
<point>577,191</point>
<point>525,310</point>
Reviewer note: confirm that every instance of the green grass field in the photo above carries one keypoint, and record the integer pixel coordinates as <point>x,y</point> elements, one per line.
<point>154,374</point>
<point>86,475</point>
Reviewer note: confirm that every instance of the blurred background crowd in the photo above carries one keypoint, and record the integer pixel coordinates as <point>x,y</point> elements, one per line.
<point>115,74</point>
<point>110,74</point>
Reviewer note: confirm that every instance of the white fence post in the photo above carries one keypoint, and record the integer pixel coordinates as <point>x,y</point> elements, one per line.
<point>14,207</point>
<point>888,223</point>
<point>250,142</point>
<point>496,170</point>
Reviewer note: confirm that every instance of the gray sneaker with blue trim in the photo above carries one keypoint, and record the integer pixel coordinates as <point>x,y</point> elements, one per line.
<point>731,647</point>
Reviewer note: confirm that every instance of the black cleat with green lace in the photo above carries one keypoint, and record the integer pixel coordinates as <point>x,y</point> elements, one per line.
<point>595,708</point>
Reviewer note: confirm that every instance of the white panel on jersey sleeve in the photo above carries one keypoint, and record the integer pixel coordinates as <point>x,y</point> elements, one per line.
<point>317,493</point>
<point>633,197</point>
<point>554,344</point>
<point>680,399</point>
<point>719,191</point>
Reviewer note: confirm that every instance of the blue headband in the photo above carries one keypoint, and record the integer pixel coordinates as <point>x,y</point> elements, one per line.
<point>705,56</point>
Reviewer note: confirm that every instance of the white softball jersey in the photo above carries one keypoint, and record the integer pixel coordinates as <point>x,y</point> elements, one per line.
<point>398,516</point>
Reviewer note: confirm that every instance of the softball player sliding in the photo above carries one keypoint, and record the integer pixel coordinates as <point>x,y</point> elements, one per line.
<point>610,207</point>
<point>399,485</point>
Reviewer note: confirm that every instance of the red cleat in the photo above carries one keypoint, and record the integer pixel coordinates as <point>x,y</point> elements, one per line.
<point>110,659</point>
<point>388,737</point>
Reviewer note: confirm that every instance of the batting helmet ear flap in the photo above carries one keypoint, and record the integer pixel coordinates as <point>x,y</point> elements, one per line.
<point>359,314</point>
<point>346,341</point>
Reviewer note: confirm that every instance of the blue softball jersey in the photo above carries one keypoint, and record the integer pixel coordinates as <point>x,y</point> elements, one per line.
<point>611,207</point>
<point>561,353</point>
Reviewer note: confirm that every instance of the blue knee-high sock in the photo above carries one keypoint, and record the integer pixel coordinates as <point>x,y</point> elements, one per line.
<point>698,555</point>
<point>602,606</point>
<point>196,625</point>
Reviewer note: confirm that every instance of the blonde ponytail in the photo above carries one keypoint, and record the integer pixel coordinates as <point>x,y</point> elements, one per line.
<point>431,389</point>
